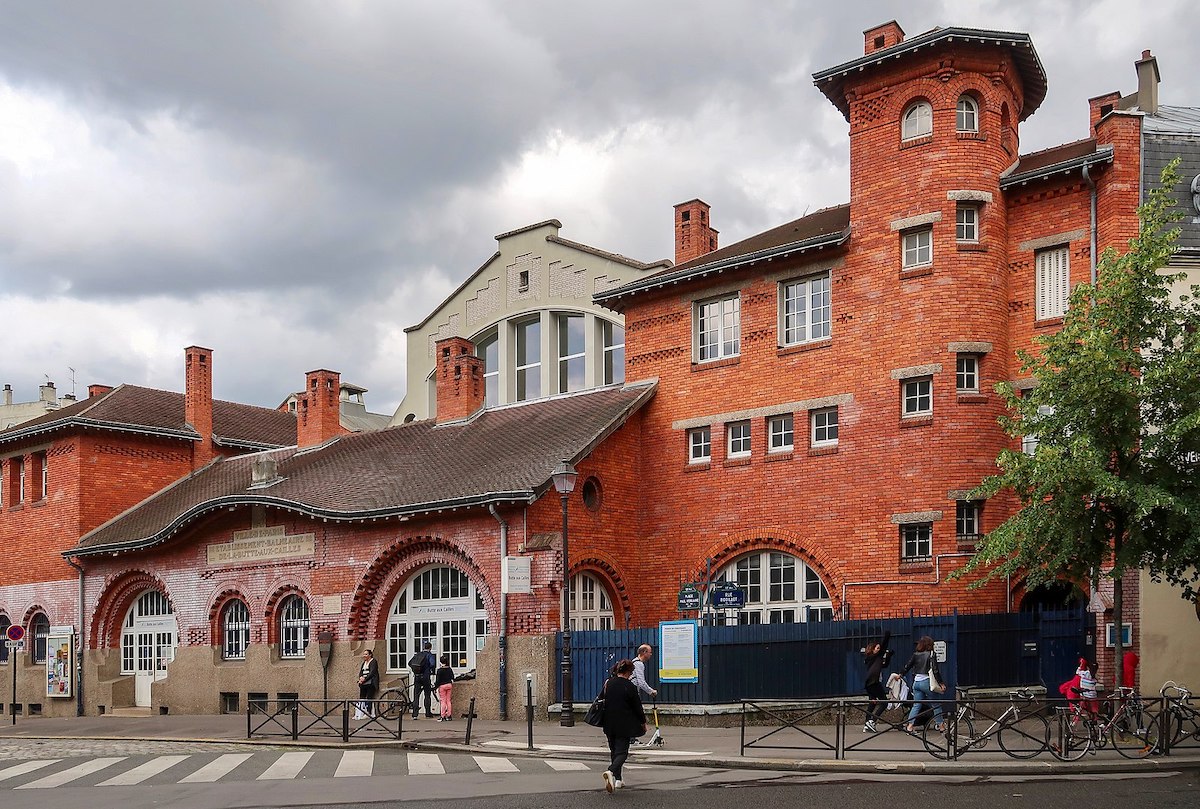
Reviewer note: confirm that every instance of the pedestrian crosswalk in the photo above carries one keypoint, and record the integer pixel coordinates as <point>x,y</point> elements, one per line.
<point>273,765</point>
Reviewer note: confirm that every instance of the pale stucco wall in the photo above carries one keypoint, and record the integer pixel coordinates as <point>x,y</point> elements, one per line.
<point>1170,628</point>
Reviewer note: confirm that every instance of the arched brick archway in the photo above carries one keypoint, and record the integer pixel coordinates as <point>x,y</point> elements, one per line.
<point>613,580</point>
<point>744,542</point>
<point>385,577</point>
<point>118,596</point>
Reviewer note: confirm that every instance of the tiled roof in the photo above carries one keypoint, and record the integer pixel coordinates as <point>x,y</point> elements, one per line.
<point>1065,158</point>
<point>504,454</point>
<point>130,408</point>
<point>827,227</point>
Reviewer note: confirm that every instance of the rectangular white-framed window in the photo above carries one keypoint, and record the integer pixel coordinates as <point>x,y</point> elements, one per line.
<point>20,479</point>
<point>781,437</point>
<point>917,397</point>
<point>1029,443</point>
<point>967,520</point>
<point>44,477</point>
<point>529,360</point>
<point>613,337</point>
<point>737,443</point>
<point>966,222</point>
<point>966,373</point>
<point>1110,635</point>
<point>488,349</point>
<point>917,248</point>
<point>916,542</point>
<point>805,311</point>
<point>700,445</point>
<point>824,427</point>
<point>571,352</point>
<point>1053,282</point>
<point>718,328</point>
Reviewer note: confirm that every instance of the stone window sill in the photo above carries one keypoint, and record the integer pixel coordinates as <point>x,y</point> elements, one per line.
<point>710,364</point>
<point>915,142</point>
<point>784,351</point>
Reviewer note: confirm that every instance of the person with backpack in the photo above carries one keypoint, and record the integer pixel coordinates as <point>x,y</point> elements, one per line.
<point>422,665</point>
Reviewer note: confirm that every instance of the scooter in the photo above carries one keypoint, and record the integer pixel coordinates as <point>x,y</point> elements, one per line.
<point>657,740</point>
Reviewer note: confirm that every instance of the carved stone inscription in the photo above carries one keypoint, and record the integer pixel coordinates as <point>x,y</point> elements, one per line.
<point>261,544</point>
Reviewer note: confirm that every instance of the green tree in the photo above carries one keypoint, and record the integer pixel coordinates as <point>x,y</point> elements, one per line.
<point>1114,481</point>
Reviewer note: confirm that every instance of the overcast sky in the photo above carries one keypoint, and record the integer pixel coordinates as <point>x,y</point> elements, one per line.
<point>293,183</point>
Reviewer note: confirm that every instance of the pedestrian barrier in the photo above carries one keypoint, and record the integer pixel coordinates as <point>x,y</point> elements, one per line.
<point>323,718</point>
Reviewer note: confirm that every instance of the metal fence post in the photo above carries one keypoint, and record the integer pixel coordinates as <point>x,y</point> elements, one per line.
<point>470,718</point>
<point>295,722</point>
<point>742,748</point>
<point>529,706</point>
<point>248,722</point>
<point>345,722</point>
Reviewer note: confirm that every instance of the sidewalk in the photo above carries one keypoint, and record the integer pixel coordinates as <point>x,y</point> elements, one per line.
<point>892,752</point>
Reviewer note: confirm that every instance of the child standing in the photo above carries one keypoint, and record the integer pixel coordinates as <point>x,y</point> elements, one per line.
<point>444,684</point>
<point>1087,687</point>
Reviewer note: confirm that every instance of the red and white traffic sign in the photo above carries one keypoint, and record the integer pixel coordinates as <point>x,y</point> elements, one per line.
<point>15,632</point>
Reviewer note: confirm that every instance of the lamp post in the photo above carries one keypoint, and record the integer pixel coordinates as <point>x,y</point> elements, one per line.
<point>564,483</point>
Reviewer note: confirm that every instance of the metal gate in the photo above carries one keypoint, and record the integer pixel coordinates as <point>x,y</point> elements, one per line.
<point>1063,637</point>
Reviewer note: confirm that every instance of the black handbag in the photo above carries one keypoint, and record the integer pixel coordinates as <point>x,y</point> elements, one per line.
<point>595,711</point>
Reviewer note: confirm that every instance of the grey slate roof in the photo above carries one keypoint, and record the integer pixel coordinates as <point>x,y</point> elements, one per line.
<point>130,408</point>
<point>1169,120</point>
<point>501,455</point>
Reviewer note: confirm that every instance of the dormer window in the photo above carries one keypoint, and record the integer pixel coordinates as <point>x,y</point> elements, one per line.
<point>967,115</point>
<point>917,121</point>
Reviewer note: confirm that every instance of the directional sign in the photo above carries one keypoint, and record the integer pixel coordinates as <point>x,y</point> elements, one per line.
<point>689,598</point>
<point>729,598</point>
<point>15,632</point>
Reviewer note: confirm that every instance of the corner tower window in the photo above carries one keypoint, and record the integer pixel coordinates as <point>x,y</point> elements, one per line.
<point>917,121</point>
<point>967,115</point>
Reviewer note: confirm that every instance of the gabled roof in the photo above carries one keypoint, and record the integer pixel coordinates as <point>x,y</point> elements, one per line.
<point>504,454</point>
<point>1064,159</point>
<point>832,81</point>
<point>147,411</point>
<point>828,227</point>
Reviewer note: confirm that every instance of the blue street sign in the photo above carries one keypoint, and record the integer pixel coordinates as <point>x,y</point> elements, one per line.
<point>689,598</point>
<point>728,598</point>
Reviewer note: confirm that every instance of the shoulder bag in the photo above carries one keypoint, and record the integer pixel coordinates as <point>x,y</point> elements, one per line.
<point>935,682</point>
<point>595,711</point>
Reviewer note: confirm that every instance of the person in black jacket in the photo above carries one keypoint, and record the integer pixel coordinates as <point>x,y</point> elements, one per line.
<point>422,665</point>
<point>624,719</point>
<point>368,682</point>
<point>876,656</point>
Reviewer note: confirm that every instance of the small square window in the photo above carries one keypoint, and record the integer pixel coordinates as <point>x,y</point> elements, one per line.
<point>779,428</point>
<point>738,445</point>
<point>700,445</point>
<point>966,376</point>
<point>966,223</point>
<point>918,397</point>
<point>825,427</point>
<point>916,542</point>
<point>918,248</point>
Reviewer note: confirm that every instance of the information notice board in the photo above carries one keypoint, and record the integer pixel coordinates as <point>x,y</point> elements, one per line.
<point>679,651</point>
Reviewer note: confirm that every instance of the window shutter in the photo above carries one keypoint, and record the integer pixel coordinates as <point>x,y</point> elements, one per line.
<point>1053,283</point>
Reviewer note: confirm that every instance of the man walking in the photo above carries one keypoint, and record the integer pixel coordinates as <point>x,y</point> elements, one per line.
<point>422,665</point>
<point>644,653</point>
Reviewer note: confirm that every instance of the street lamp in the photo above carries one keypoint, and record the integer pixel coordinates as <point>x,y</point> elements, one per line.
<point>564,483</point>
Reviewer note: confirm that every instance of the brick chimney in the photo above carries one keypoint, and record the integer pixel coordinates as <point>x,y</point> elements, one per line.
<point>317,410</point>
<point>1100,106</point>
<point>197,401</point>
<point>694,234</point>
<point>1148,79</point>
<point>98,390</point>
<point>882,36</point>
<point>460,388</point>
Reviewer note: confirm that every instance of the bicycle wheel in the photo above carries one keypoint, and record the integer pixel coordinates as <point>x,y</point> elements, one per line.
<point>1072,741</point>
<point>1134,735</point>
<point>392,703</point>
<point>1025,737</point>
<point>938,742</point>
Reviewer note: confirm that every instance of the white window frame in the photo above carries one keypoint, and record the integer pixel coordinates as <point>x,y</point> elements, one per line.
<point>489,344</point>
<point>805,310</point>
<point>778,588</point>
<point>916,248</point>
<point>1029,443</point>
<point>966,223</point>
<point>613,337</point>
<point>20,462</point>
<point>781,433</point>
<point>569,361</point>
<point>235,629</point>
<point>915,402</point>
<point>823,428</point>
<point>700,445</point>
<point>528,368</point>
<point>591,607</point>
<point>1052,284</point>
<point>966,114</point>
<point>737,439</point>
<point>916,542</point>
<point>917,121</point>
<point>966,373</point>
<point>441,605</point>
<point>294,625</point>
<point>717,329</point>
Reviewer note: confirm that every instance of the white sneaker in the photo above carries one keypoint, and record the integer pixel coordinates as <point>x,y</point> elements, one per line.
<point>610,783</point>
<point>619,783</point>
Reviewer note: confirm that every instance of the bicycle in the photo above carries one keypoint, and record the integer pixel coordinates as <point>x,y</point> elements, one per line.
<point>1183,720</point>
<point>1131,730</point>
<point>1019,735</point>
<point>392,703</point>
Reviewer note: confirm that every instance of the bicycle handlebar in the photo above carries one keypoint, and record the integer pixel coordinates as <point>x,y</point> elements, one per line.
<point>1182,691</point>
<point>1022,694</point>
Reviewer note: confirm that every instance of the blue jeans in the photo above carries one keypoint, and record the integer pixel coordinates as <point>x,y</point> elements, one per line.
<point>921,692</point>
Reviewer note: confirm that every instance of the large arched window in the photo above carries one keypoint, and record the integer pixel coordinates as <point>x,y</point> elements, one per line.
<point>5,623</point>
<point>235,630</point>
<point>590,605</point>
<point>917,121</point>
<point>39,628</point>
<point>967,114</point>
<point>441,606</point>
<point>293,627</point>
<point>779,589</point>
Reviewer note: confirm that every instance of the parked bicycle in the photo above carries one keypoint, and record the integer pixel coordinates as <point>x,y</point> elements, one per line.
<point>1020,735</point>
<point>392,703</point>
<point>1183,718</point>
<point>1130,729</point>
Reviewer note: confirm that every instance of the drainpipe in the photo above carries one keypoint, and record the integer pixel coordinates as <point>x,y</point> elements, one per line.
<point>82,645</point>
<point>503,615</point>
<point>1087,177</point>
<point>937,577</point>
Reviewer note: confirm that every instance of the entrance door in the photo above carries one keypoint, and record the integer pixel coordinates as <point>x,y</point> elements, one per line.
<point>148,640</point>
<point>144,676</point>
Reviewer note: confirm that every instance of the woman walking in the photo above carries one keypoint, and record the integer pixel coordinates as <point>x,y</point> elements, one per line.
<point>876,656</point>
<point>922,662</point>
<point>624,719</point>
<point>444,685</point>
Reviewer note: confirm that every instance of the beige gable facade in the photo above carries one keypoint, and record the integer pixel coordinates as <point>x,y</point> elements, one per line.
<point>529,311</point>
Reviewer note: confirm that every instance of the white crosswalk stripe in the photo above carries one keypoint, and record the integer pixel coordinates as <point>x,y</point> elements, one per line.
<point>26,766</point>
<point>425,764</point>
<point>143,771</point>
<point>72,773</point>
<point>565,766</point>
<point>286,767</point>
<point>355,763</point>
<point>495,764</point>
<point>216,769</point>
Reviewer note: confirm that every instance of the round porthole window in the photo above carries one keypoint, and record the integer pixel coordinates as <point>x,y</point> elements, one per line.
<point>592,495</point>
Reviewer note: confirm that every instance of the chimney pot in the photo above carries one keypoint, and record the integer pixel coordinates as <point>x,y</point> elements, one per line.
<point>458,394</point>
<point>319,416</point>
<point>694,234</point>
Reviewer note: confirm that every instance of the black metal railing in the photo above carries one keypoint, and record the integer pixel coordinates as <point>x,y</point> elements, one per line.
<point>296,718</point>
